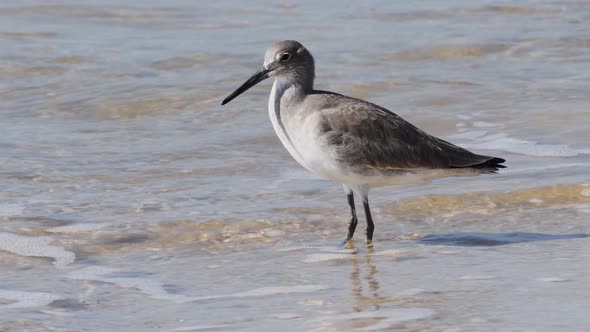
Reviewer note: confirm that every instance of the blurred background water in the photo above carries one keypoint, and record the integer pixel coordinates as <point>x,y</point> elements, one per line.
<point>132,201</point>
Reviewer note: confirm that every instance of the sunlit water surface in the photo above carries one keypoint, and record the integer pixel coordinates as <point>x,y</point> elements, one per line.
<point>132,201</point>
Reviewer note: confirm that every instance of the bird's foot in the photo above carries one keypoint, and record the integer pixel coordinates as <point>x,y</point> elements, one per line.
<point>347,244</point>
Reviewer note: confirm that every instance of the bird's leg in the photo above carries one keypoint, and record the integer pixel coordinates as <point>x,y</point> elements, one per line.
<point>370,225</point>
<point>353,219</point>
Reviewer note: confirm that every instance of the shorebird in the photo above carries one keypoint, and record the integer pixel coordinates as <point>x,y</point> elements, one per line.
<point>351,141</point>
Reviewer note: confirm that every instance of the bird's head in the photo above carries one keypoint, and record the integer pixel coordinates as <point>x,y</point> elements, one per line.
<point>287,59</point>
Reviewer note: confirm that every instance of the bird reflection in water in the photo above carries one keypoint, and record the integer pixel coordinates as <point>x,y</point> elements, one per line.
<point>364,274</point>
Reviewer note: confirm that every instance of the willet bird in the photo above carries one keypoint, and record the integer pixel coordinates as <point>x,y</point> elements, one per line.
<point>352,141</point>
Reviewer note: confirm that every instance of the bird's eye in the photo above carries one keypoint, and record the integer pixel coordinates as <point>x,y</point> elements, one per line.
<point>285,57</point>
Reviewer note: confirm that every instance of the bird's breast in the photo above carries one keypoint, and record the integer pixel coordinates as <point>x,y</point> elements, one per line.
<point>281,119</point>
<point>298,130</point>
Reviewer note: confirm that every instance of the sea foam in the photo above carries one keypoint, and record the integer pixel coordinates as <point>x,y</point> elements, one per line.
<point>10,210</point>
<point>27,299</point>
<point>78,228</point>
<point>154,289</point>
<point>382,319</point>
<point>479,139</point>
<point>35,247</point>
<point>150,287</point>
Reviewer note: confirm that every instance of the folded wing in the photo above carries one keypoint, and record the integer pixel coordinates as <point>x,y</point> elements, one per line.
<point>368,136</point>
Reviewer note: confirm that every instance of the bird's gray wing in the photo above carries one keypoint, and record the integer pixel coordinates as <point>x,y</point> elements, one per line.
<point>368,136</point>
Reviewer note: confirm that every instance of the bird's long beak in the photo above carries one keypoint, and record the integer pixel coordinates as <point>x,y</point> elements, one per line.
<point>258,77</point>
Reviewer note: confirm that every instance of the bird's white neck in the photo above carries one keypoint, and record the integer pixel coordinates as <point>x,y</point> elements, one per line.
<point>282,94</point>
<point>279,89</point>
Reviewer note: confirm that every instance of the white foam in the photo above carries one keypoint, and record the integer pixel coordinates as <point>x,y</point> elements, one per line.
<point>35,247</point>
<point>150,287</point>
<point>285,316</point>
<point>317,258</point>
<point>396,316</point>
<point>586,190</point>
<point>57,313</point>
<point>501,141</point>
<point>275,290</point>
<point>10,210</point>
<point>330,254</point>
<point>27,299</point>
<point>336,250</point>
<point>393,252</point>
<point>553,279</point>
<point>90,272</point>
<point>484,124</point>
<point>155,290</point>
<point>264,291</point>
<point>200,328</point>
<point>78,228</point>
<point>584,208</point>
<point>465,116</point>
<point>476,277</point>
<point>387,319</point>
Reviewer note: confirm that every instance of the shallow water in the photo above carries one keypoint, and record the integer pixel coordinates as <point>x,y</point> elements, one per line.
<point>132,201</point>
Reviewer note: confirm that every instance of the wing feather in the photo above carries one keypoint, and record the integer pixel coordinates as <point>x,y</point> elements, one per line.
<point>369,136</point>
